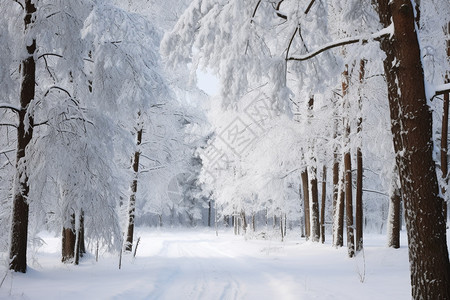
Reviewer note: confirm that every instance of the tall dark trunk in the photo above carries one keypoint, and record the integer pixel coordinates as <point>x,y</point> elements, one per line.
<point>444,136</point>
<point>19,223</point>
<point>72,240</point>
<point>359,172</point>
<point>349,204</point>
<point>425,223</point>
<point>315,225</point>
<point>82,246</point>
<point>322,207</point>
<point>132,204</point>
<point>305,184</point>
<point>68,242</point>
<point>394,217</point>
<point>348,168</point>
<point>341,211</point>
<point>444,144</point>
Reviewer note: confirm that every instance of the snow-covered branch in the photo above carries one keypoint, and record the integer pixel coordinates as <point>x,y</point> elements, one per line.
<point>346,41</point>
<point>8,124</point>
<point>9,106</point>
<point>50,54</point>
<point>7,150</point>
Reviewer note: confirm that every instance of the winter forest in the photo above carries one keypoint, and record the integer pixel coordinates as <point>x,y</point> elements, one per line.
<point>224,149</point>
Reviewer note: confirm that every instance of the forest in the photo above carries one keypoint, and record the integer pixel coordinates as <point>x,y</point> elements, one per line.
<point>313,125</point>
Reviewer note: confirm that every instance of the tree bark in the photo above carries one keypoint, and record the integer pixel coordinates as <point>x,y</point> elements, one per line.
<point>394,217</point>
<point>348,168</point>
<point>444,144</point>
<point>314,196</point>
<point>425,223</point>
<point>19,225</point>
<point>315,225</point>
<point>359,171</point>
<point>349,204</point>
<point>444,137</point>
<point>82,246</point>
<point>132,204</point>
<point>322,207</point>
<point>305,185</point>
<point>68,242</point>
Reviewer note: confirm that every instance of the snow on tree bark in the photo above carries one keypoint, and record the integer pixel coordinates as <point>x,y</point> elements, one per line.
<point>412,133</point>
<point>19,228</point>
<point>132,203</point>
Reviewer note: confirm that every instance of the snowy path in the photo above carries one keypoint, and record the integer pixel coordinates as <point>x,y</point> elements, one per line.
<point>199,265</point>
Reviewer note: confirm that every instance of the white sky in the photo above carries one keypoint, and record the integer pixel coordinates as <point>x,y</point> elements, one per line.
<point>208,83</point>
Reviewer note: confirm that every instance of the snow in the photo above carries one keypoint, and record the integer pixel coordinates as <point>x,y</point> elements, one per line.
<point>197,264</point>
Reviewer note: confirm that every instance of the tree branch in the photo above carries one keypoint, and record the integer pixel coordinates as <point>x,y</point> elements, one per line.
<point>21,5</point>
<point>283,16</point>
<point>347,41</point>
<point>39,124</point>
<point>309,6</point>
<point>290,43</point>
<point>254,12</point>
<point>7,151</point>
<point>50,54</point>
<point>9,106</point>
<point>8,124</point>
<point>57,88</point>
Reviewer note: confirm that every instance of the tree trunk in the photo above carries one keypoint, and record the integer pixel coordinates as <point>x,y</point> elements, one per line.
<point>304,176</point>
<point>444,146</point>
<point>315,226</point>
<point>253,222</point>
<point>81,235</point>
<point>348,168</point>
<point>322,208</point>
<point>132,205</point>
<point>349,204</point>
<point>444,137</point>
<point>19,222</point>
<point>68,242</point>
<point>394,218</point>
<point>359,171</point>
<point>244,221</point>
<point>341,211</point>
<point>335,228</point>
<point>314,196</point>
<point>425,223</point>
<point>71,242</point>
<point>209,213</point>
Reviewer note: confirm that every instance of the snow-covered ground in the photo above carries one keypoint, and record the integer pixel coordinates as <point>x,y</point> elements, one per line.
<point>196,264</point>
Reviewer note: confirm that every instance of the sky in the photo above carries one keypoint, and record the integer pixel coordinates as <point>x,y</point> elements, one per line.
<point>208,82</point>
